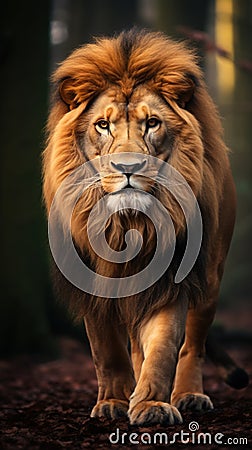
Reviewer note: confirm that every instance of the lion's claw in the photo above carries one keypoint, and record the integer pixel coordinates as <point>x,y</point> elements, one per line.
<point>193,402</point>
<point>111,409</point>
<point>151,412</point>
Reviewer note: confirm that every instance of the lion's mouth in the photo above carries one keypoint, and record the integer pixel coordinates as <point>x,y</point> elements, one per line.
<point>112,184</point>
<point>128,186</point>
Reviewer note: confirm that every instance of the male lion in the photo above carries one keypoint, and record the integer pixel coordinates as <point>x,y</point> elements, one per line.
<point>143,94</point>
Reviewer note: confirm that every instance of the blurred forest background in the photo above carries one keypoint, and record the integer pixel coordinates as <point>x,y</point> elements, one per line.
<point>34,37</point>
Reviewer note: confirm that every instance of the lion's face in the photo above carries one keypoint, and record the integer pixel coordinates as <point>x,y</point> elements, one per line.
<point>126,130</point>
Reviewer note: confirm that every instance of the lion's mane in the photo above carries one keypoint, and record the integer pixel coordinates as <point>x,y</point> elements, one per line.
<point>170,70</point>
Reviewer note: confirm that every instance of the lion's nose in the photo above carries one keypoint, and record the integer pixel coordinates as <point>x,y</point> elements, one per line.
<point>129,169</point>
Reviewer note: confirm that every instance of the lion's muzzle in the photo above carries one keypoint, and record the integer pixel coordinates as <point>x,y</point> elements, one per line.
<point>126,170</point>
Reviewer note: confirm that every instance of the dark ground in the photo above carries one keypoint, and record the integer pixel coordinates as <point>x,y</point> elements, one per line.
<point>46,406</point>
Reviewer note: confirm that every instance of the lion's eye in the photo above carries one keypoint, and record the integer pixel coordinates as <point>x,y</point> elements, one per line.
<point>102,126</point>
<point>153,122</point>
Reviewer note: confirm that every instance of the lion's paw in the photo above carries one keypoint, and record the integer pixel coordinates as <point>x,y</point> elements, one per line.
<point>151,412</point>
<point>193,402</point>
<point>111,409</point>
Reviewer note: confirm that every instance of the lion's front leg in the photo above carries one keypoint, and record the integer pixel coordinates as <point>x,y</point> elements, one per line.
<point>114,371</point>
<point>188,389</point>
<point>160,339</point>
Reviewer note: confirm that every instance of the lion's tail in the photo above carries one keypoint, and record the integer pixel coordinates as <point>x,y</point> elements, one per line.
<point>233,375</point>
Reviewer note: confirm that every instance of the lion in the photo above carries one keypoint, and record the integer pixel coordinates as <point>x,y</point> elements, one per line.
<point>141,93</point>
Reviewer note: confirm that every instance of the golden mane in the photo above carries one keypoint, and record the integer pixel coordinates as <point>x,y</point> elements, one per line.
<point>170,70</point>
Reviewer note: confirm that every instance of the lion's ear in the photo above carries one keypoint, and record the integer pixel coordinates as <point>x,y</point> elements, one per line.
<point>186,94</point>
<point>68,93</point>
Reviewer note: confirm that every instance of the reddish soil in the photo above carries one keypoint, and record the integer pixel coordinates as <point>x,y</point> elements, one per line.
<point>46,406</point>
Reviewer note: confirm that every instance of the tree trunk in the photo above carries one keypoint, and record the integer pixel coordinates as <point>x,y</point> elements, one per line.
<point>24,73</point>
